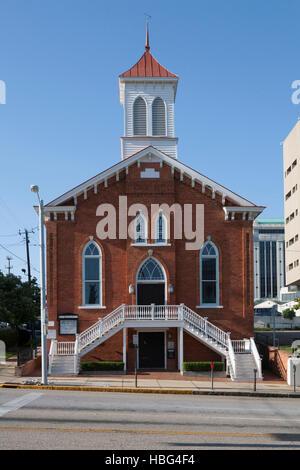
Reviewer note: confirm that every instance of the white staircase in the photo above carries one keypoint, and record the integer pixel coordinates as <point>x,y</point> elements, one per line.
<point>242,356</point>
<point>63,365</point>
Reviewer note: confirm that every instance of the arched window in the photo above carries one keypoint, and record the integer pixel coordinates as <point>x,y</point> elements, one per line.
<point>91,274</point>
<point>161,229</point>
<point>209,274</point>
<point>139,117</point>
<point>150,271</point>
<point>158,117</point>
<point>140,233</point>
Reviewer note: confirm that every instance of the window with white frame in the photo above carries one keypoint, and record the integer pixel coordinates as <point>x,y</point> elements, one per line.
<point>150,271</point>
<point>139,117</point>
<point>161,229</point>
<point>91,267</point>
<point>140,233</point>
<point>158,117</point>
<point>209,274</point>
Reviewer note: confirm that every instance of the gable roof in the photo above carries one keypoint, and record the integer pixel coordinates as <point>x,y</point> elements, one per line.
<point>142,155</point>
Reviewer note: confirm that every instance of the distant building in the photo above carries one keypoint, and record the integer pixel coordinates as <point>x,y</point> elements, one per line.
<point>269,258</point>
<point>291,167</point>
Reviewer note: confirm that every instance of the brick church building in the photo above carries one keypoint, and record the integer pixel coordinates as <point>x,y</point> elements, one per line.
<point>150,251</point>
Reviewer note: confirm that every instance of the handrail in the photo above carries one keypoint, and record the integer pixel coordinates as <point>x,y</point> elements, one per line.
<point>51,354</point>
<point>65,348</point>
<point>256,357</point>
<point>241,346</point>
<point>231,356</point>
<point>206,327</point>
<point>148,312</point>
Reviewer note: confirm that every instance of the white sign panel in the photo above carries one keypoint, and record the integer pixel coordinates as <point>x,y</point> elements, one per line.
<point>51,334</point>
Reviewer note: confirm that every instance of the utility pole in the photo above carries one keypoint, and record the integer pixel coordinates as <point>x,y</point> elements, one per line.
<point>9,267</point>
<point>27,251</point>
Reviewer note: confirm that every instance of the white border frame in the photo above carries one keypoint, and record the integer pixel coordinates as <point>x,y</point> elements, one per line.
<point>151,281</point>
<point>216,257</point>
<point>166,122</point>
<point>133,119</point>
<point>83,280</point>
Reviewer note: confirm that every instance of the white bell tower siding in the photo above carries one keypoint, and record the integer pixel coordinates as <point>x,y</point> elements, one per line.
<point>148,89</point>
<point>147,93</point>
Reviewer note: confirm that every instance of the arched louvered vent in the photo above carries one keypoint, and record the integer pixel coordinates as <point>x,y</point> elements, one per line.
<point>139,117</point>
<point>158,117</point>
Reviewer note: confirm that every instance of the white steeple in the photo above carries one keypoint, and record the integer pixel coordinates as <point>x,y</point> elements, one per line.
<point>147,93</point>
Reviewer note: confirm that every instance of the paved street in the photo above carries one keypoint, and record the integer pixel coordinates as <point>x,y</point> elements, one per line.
<point>33,419</point>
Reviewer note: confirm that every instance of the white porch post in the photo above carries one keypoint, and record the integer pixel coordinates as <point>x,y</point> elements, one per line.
<point>124,348</point>
<point>180,349</point>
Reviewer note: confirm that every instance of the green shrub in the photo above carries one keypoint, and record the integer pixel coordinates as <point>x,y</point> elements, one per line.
<point>202,366</point>
<point>288,313</point>
<point>103,365</point>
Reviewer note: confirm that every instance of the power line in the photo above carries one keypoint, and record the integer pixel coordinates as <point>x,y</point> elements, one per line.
<point>10,235</point>
<point>25,262</point>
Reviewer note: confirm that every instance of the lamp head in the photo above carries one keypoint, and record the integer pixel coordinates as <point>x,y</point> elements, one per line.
<point>34,188</point>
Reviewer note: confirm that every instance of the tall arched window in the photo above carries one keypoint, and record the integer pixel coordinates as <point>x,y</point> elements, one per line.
<point>91,274</point>
<point>161,229</point>
<point>158,117</point>
<point>209,274</point>
<point>140,233</point>
<point>139,117</point>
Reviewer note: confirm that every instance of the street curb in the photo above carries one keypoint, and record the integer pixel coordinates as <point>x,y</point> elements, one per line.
<point>153,391</point>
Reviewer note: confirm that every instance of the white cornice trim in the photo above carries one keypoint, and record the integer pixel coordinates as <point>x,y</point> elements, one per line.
<point>248,213</point>
<point>183,169</point>
<point>54,210</point>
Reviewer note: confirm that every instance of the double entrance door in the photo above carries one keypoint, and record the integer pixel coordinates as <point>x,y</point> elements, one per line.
<point>152,350</point>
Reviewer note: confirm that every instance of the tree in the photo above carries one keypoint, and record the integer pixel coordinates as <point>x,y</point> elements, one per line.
<point>288,313</point>
<point>297,306</point>
<point>19,301</point>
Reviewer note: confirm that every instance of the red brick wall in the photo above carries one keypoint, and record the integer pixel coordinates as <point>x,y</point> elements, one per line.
<point>66,240</point>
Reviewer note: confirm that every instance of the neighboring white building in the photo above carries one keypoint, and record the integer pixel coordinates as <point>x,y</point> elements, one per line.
<point>269,258</point>
<point>291,167</point>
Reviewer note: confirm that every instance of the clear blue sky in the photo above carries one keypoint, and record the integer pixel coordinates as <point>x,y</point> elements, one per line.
<point>62,122</point>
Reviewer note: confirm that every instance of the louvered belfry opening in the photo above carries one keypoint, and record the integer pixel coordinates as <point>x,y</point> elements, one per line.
<point>158,117</point>
<point>139,117</point>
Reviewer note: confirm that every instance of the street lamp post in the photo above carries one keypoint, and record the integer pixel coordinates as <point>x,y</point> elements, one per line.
<point>35,189</point>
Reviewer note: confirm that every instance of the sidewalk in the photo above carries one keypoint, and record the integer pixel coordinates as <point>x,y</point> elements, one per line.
<point>155,382</point>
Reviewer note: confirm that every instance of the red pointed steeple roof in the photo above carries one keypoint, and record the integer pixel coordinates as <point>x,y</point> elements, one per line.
<point>147,66</point>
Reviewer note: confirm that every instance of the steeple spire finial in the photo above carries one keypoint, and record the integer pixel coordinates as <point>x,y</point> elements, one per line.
<point>147,46</point>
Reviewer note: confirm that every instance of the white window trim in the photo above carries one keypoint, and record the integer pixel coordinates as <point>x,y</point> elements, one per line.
<point>133,117</point>
<point>209,306</point>
<point>166,123</point>
<point>216,257</point>
<point>91,307</point>
<point>136,243</point>
<point>85,305</point>
<point>165,229</point>
<point>161,281</point>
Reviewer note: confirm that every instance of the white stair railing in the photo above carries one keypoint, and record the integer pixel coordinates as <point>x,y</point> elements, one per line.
<point>207,328</point>
<point>153,313</point>
<point>256,357</point>
<point>231,358</point>
<point>191,320</point>
<point>52,353</point>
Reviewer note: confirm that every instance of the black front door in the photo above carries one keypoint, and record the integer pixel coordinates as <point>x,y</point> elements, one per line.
<point>148,294</point>
<point>151,350</point>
